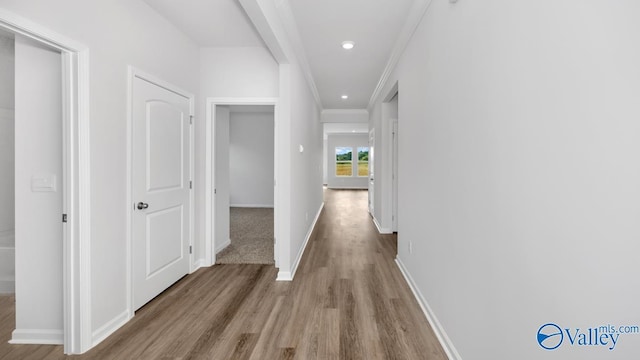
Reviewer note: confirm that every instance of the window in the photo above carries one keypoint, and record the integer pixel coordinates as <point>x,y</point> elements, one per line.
<point>363,161</point>
<point>344,163</point>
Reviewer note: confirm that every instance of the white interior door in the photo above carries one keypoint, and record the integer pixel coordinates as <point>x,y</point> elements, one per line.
<point>161,185</point>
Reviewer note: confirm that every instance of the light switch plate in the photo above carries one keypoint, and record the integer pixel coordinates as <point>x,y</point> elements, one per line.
<point>43,183</point>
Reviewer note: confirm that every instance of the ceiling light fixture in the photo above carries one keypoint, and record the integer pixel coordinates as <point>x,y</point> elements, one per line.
<point>344,97</point>
<point>348,45</point>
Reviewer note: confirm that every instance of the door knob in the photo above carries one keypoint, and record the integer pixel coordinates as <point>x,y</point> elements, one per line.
<point>142,206</point>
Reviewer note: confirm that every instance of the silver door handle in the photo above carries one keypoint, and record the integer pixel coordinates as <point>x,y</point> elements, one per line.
<point>142,206</point>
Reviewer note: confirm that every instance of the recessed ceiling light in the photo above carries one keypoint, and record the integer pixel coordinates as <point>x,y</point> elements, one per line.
<point>344,97</point>
<point>348,45</point>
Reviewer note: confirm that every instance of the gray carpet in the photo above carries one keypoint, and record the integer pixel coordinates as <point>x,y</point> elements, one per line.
<point>251,237</point>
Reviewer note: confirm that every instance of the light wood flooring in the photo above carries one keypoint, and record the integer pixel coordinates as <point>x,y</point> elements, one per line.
<point>348,301</point>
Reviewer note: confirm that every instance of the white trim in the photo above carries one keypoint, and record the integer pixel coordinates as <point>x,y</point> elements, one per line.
<point>381,230</point>
<point>110,327</point>
<point>211,103</point>
<point>259,206</point>
<point>289,275</point>
<point>37,336</point>
<point>133,73</point>
<point>198,264</point>
<point>417,12</point>
<point>76,182</point>
<point>222,246</point>
<point>289,23</point>
<point>443,339</point>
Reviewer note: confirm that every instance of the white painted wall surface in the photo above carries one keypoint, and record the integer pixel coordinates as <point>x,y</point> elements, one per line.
<point>7,77</point>
<point>141,38</point>
<point>251,159</point>
<point>7,157</point>
<point>305,167</point>
<point>226,72</point>
<point>222,179</point>
<point>523,206</point>
<point>344,116</point>
<point>38,227</point>
<point>353,141</point>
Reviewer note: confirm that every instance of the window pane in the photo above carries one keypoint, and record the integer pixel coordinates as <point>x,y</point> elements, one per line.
<point>363,161</point>
<point>344,161</point>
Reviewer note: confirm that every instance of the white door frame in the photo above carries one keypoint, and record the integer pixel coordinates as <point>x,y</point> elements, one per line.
<point>136,73</point>
<point>76,178</point>
<point>210,256</point>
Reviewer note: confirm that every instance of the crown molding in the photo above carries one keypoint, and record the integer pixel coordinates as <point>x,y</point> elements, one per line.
<point>291,28</point>
<point>416,14</point>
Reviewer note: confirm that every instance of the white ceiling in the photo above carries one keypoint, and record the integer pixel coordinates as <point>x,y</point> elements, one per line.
<point>210,23</point>
<point>374,26</point>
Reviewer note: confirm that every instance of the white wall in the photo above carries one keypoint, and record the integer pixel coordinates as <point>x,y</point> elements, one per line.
<point>7,197</point>
<point>353,141</point>
<point>141,38</point>
<point>523,206</point>
<point>305,169</point>
<point>222,178</point>
<point>227,72</point>
<point>38,226</point>
<point>251,159</point>
<point>344,116</point>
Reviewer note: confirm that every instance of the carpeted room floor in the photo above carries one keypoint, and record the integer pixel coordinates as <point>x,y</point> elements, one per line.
<point>251,231</point>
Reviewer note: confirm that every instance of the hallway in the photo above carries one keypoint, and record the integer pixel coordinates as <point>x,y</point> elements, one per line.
<point>348,301</point>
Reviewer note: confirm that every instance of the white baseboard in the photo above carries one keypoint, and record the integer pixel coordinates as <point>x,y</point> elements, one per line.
<point>288,275</point>
<point>109,328</point>
<point>381,230</point>
<point>265,206</point>
<point>37,337</point>
<point>7,286</point>
<point>444,340</point>
<point>222,246</point>
<point>197,265</point>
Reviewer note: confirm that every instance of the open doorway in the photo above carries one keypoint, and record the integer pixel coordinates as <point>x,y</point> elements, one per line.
<point>51,184</point>
<point>7,163</point>
<point>243,215</point>
<point>250,163</point>
<point>32,187</point>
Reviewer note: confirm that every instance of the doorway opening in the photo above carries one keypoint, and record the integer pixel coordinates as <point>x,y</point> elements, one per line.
<point>244,170</point>
<point>241,189</point>
<point>51,186</point>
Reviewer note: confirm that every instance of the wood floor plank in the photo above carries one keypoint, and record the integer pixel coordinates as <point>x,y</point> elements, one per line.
<point>348,301</point>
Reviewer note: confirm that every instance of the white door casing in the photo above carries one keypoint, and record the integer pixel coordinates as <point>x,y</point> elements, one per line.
<point>161,199</point>
<point>372,145</point>
<point>394,177</point>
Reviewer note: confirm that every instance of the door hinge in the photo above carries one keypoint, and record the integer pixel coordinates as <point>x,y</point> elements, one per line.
<point>190,119</point>
<point>190,184</point>
<point>215,191</point>
<point>64,218</point>
<point>190,249</point>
